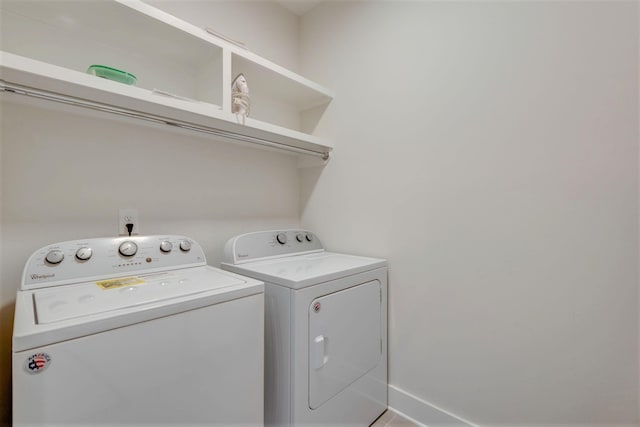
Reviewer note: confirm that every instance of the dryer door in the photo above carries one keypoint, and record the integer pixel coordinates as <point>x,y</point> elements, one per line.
<point>345,339</point>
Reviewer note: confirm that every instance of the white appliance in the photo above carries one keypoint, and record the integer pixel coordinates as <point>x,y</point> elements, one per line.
<point>325,329</point>
<point>136,331</point>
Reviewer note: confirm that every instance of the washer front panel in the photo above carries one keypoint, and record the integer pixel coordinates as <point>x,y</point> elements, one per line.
<point>194,368</point>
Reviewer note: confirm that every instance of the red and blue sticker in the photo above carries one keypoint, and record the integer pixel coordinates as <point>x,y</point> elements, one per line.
<point>37,363</point>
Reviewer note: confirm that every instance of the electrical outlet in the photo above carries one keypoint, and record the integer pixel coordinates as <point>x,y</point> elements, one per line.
<point>128,216</point>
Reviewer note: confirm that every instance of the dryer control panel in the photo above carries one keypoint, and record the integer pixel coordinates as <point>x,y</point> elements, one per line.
<point>260,245</point>
<point>90,259</point>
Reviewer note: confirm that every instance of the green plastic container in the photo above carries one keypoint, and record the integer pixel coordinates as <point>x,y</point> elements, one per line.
<point>112,74</point>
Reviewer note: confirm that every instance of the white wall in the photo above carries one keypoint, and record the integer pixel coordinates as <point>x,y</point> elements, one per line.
<point>490,152</point>
<point>64,175</point>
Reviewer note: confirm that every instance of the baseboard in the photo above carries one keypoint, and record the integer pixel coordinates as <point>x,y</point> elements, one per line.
<point>422,412</point>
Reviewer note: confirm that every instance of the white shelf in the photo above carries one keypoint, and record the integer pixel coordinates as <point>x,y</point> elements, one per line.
<point>49,81</point>
<point>48,45</point>
<point>279,82</point>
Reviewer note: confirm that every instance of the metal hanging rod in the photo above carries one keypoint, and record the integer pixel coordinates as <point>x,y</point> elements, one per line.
<point>79,102</point>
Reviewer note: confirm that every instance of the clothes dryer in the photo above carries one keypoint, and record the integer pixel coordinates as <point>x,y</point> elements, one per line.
<point>136,331</point>
<point>325,328</point>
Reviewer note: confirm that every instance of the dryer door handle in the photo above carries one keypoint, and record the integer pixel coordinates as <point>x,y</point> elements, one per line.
<point>319,353</point>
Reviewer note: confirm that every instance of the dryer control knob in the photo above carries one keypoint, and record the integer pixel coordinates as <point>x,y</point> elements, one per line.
<point>84,253</point>
<point>54,256</point>
<point>309,237</point>
<point>185,245</point>
<point>300,237</point>
<point>166,246</point>
<point>128,248</point>
<point>281,238</point>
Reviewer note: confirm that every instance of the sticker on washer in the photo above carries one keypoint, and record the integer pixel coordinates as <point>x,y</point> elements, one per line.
<point>120,282</point>
<point>37,363</point>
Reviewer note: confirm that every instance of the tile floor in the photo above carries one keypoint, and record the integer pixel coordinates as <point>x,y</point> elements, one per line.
<point>392,419</point>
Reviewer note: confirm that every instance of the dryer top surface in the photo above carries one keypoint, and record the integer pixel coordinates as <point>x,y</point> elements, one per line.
<point>306,270</point>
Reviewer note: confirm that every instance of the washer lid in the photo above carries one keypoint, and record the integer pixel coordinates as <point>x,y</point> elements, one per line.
<point>306,270</point>
<point>70,302</point>
<point>50,315</point>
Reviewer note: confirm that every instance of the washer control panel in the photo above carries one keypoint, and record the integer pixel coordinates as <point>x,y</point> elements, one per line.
<point>270,244</point>
<point>84,260</point>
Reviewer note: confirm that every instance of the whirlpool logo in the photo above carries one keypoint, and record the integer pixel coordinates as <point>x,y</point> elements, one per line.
<point>42,276</point>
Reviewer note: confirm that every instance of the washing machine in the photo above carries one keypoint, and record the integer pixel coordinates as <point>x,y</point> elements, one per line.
<point>325,328</point>
<point>136,331</point>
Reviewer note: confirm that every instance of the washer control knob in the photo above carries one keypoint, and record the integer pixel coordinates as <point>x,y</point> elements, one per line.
<point>166,246</point>
<point>54,256</point>
<point>281,238</point>
<point>309,237</point>
<point>84,253</point>
<point>128,248</point>
<point>300,237</point>
<point>185,245</point>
